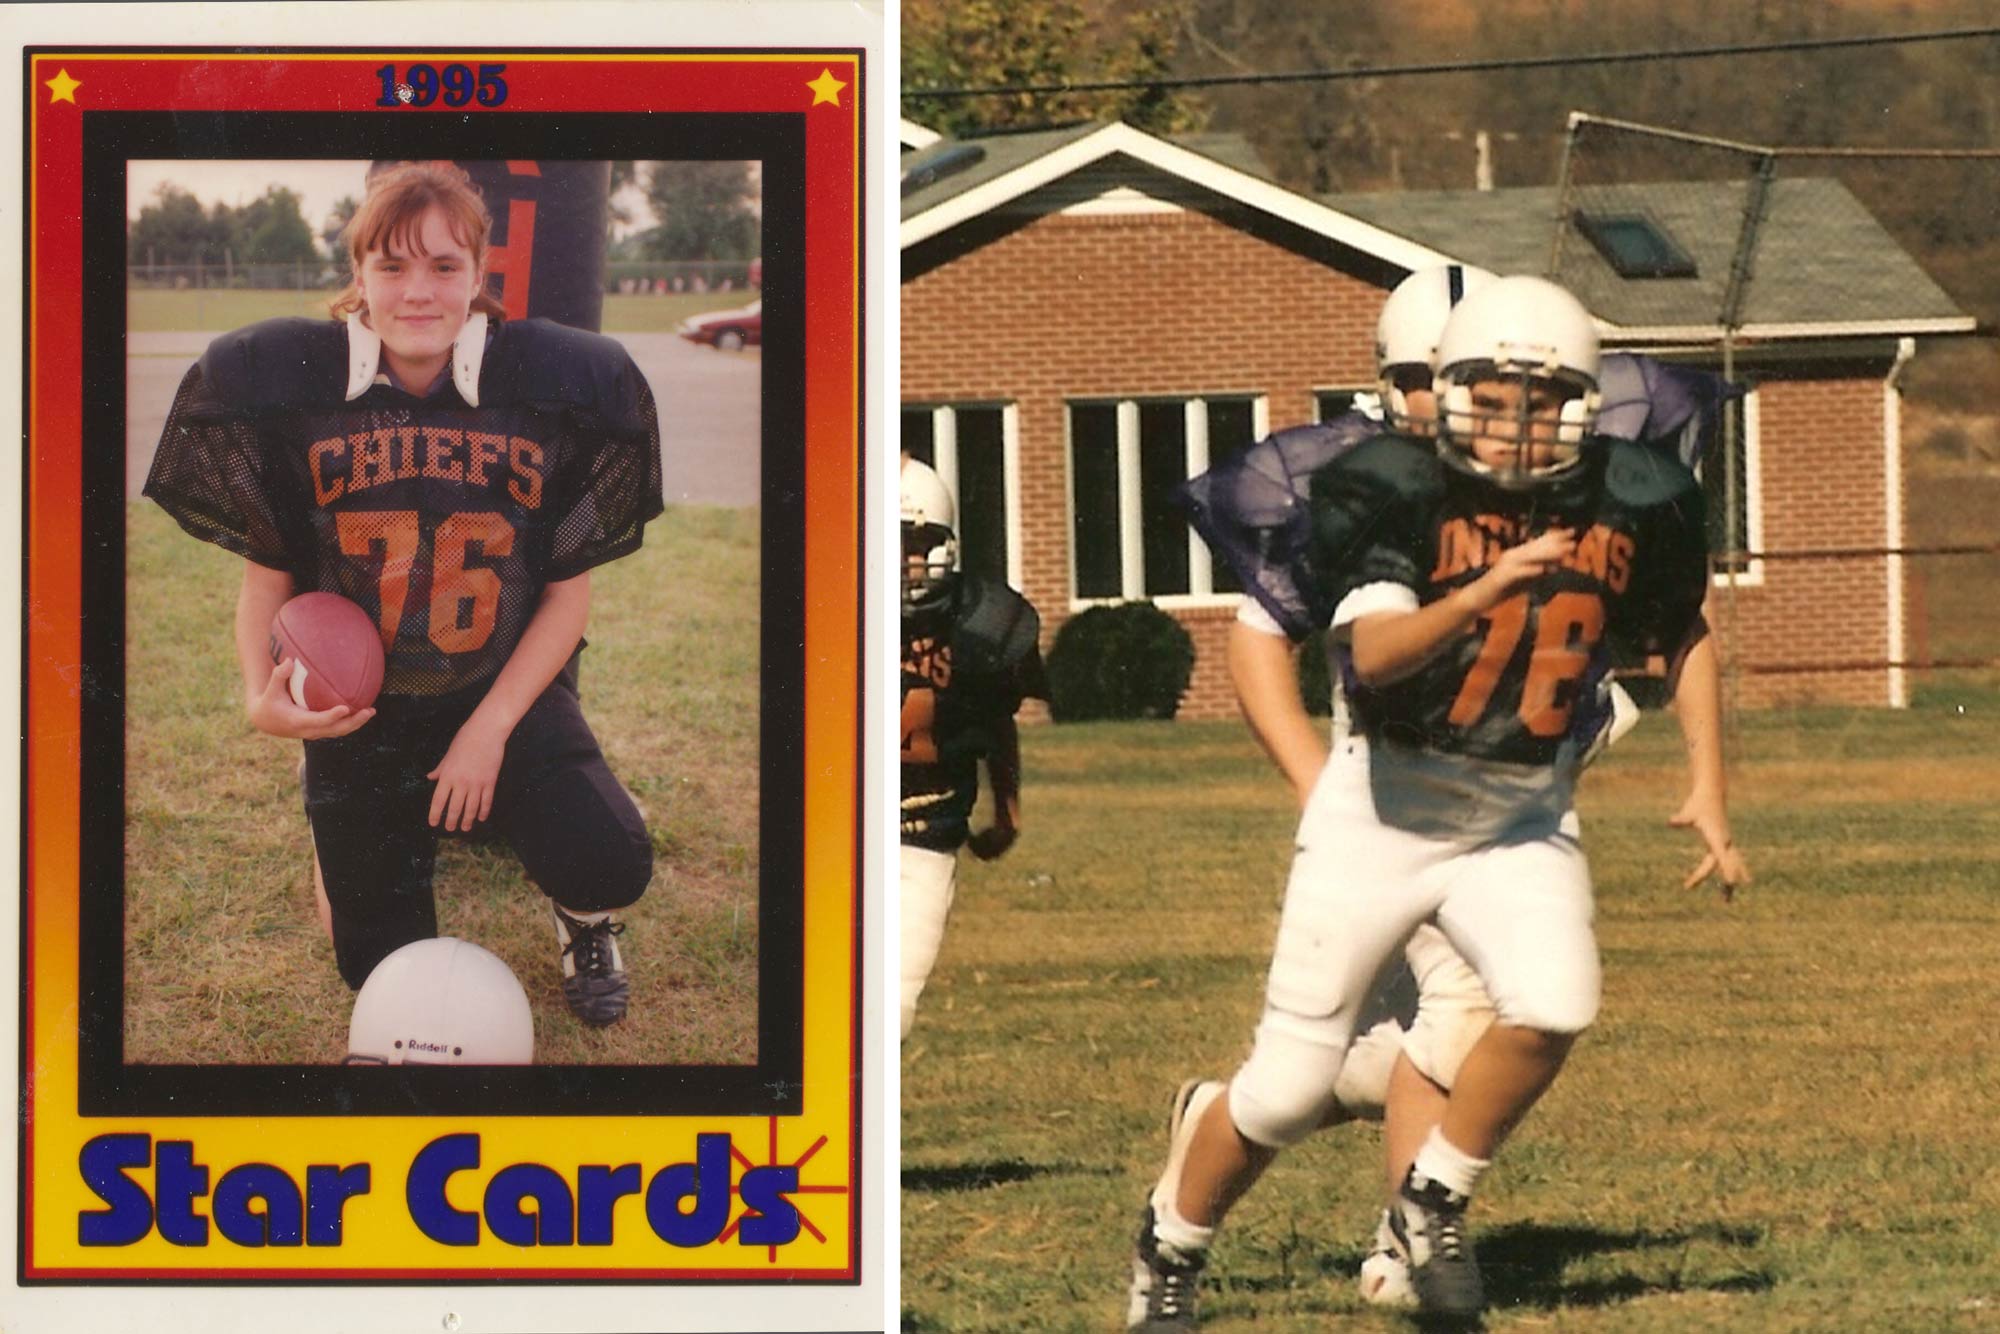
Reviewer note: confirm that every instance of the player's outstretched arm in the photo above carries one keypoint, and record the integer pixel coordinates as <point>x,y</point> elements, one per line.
<point>1003,773</point>
<point>267,696</point>
<point>1389,645</point>
<point>465,777</point>
<point>1267,690</point>
<point>1698,705</point>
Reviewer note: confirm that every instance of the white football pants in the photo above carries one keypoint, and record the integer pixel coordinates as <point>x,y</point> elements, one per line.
<point>927,880</point>
<point>1516,904</point>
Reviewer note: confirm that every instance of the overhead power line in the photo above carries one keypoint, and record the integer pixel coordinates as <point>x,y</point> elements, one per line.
<point>1460,66</point>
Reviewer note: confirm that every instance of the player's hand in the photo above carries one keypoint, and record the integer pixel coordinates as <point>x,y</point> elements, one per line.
<point>1704,813</point>
<point>1523,564</point>
<point>466,777</point>
<point>990,842</point>
<point>273,710</point>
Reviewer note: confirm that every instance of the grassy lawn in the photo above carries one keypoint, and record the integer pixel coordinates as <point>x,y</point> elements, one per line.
<point>158,311</point>
<point>1780,1123</point>
<point>225,960</point>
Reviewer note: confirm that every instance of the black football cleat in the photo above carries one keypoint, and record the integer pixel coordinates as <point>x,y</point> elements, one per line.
<point>593,972</point>
<point>1165,1284</point>
<point>1428,1222</point>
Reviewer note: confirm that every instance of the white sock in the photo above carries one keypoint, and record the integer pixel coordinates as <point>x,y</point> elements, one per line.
<point>1448,1165</point>
<point>1183,1236</point>
<point>586,918</point>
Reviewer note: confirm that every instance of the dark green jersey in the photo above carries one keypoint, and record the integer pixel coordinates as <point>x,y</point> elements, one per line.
<point>1391,512</point>
<point>966,668</point>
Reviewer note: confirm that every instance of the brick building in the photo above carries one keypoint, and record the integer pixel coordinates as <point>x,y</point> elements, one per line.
<point>1092,315</point>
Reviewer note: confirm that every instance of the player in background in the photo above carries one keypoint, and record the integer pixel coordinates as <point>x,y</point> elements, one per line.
<point>970,657</point>
<point>1443,803</point>
<point>458,477</point>
<point>1253,511</point>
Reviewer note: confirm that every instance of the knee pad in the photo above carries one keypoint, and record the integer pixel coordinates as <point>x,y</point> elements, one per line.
<point>1285,1090</point>
<point>1565,1014</point>
<point>1363,1086</point>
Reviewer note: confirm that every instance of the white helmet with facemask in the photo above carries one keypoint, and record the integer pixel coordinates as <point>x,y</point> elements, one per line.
<point>1406,334</point>
<point>1530,331</point>
<point>930,538</point>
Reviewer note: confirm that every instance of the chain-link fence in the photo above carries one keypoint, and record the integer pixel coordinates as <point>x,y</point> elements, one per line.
<point>1857,493</point>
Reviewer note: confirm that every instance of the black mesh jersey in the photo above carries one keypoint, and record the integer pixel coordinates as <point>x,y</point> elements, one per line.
<point>1392,511</point>
<point>444,521</point>
<point>966,668</point>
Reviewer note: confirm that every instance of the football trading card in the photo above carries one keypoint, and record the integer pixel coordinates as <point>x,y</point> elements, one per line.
<point>439,532</point>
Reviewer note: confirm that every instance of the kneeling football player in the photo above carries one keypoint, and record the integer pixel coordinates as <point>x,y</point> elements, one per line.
<point>458,477</point>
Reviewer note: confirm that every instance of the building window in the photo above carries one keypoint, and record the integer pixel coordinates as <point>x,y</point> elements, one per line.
<point>1333,403</point>
<point>1128,539</point>
<point>1734,449</point>
<point>974,449</point>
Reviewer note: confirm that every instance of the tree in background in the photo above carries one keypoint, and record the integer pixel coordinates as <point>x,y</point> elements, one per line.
<point>330,231</point>
<point>175,229</point>
<point>272,230</point>
<point>707,210</point>
<point>1001,43</point>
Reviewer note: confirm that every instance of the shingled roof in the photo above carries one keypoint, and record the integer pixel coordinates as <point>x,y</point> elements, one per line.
<point>1822,261</point>
<point>1824,266</point>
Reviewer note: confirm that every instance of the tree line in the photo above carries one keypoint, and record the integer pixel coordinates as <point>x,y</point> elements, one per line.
<point>703,211</point>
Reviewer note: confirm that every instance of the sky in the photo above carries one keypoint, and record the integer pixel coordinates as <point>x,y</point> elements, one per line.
<point>319,185</point>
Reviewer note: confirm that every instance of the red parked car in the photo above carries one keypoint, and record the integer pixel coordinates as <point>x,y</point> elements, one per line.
<point>726,329</point>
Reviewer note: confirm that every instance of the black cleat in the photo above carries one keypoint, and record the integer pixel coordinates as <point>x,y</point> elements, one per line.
<point>1165,1284</point>
<point>593,972</point>
<point>1428,1220</point>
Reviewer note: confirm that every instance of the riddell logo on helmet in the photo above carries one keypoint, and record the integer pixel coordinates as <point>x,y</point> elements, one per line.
<point>418,1044</point>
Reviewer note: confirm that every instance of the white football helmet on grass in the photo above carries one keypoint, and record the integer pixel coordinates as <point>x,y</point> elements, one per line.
<point>441,1002</point>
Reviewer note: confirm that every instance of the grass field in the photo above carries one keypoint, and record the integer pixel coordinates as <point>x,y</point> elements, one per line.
<point>224,957</point>
<point>1783,1120</point>
<point>154,310</point>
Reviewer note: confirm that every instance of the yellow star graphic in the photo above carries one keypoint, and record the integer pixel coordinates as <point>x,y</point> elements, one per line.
<point>62,88</point>
<point>826,88</point>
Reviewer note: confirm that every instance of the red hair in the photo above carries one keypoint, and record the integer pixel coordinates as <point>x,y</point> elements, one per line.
<point>392,215</point>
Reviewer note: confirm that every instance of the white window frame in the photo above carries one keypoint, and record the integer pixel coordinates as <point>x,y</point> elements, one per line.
<point>944,449</point>
<point>1372,387</point>
<point>1752,573</point>
<point>1131,518</point>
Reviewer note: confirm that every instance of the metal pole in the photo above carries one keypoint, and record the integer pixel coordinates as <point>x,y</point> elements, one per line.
<point>1577,120</point>
<point>1755,204</point>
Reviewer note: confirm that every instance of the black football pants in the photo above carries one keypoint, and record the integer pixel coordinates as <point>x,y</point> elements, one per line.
<point>578,835</point>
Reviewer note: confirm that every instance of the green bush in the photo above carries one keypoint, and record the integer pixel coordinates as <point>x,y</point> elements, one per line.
<point>1131,660</point>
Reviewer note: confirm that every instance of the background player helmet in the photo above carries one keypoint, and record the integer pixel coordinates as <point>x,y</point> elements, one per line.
<point>1406,335</point>
<point>1523,327</point>
<point>929,532</point>
<point>441,1002</point>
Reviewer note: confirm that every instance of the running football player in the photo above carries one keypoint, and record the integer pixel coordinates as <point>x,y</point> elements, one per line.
<point>1474,587</point>
<point>970,658</point>
<point>1253,511</point>
<point>458,477</point>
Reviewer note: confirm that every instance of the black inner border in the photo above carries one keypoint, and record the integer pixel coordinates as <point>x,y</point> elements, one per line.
<point>108,1087</point>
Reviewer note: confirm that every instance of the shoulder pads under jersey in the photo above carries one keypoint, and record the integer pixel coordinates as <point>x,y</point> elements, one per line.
<point>1642,477</point>
<point>997,627</point>
<point>540,362</point>
<point>1389,466</point>
<point>278,365</point>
